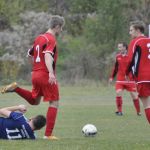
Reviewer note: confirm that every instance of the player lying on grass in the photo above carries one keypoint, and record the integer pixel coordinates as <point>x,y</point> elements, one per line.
<point>14,125</point>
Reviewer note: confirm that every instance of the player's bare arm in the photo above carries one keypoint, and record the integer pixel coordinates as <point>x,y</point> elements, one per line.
<point>110,80</point>
<point>49,65</point>
<point>7,110</point>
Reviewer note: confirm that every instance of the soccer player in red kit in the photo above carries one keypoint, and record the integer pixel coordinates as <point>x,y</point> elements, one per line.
<point>43,55</point>
<point>139,63</point>
<point>121,82</point>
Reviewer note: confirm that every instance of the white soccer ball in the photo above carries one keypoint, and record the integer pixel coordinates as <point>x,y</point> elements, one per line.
<point>89,130</point>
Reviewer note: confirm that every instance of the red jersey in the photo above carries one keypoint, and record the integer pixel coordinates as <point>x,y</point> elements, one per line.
<point>44,43</point>
<point>139,55</point>
<point>120,68</point>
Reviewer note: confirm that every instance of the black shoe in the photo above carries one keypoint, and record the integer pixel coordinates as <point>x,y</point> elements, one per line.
<point>139,114</point>
<point>119,113</point>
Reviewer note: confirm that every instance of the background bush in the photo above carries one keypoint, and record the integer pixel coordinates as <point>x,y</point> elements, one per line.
<point>87,46</point>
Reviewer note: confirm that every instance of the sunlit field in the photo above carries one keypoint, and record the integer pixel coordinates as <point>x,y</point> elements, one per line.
<point>80,105</point>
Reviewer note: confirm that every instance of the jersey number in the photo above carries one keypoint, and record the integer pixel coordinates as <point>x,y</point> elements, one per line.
<point>38,54</point>
<point>16,131</point>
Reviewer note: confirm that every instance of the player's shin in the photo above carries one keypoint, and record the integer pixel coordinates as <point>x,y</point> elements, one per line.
<point>50,120</point>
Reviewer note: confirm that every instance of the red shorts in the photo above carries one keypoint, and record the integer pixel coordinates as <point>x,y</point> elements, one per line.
<point>131,87</point>
<point>143,89</point>
<point>41,87</point>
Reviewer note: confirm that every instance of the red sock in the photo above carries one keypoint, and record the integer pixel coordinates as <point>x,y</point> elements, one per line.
<point>27,95</point>
<point>147,113</point>
<point>136,105</point>
<point>50,120</point>
<point>119,103</point>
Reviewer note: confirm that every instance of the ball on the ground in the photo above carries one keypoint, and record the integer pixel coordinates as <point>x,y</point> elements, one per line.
<point>89,130</point>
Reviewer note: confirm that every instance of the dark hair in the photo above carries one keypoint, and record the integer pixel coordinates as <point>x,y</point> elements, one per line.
<point>38,122</point>
<point>124,44</point>
<point>138,25</point>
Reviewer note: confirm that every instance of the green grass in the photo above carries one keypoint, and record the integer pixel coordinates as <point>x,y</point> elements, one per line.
<point>81,105</point>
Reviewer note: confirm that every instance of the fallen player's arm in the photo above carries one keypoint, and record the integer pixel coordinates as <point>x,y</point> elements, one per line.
<point>7,110</point>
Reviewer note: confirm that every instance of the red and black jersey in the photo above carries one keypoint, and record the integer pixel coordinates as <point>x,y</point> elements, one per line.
<point>44,43</point>
<point>120,67</point>
<point>139,54</point>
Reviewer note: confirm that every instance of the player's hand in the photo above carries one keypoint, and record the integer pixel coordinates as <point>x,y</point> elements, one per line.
<point>110,80</point>
<point>22,108</point>
<point>52,78</point>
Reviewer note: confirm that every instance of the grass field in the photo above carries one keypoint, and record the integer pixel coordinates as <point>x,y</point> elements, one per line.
<point>80,105</point>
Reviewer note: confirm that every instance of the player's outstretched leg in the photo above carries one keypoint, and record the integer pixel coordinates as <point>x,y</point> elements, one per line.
<point>27,95</point>
<point>9,88</point>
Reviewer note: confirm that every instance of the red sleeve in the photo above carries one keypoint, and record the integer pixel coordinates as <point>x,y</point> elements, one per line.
<point>114,70</point>
<point>50,46</point>
<point>134,64</point>
<point>30,52</point>
<point>131,49</point>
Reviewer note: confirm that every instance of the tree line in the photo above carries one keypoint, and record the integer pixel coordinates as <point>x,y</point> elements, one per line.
<point>86,47</point>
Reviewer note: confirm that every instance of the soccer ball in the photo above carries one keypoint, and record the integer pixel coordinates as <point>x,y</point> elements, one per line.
<point>89,130</point>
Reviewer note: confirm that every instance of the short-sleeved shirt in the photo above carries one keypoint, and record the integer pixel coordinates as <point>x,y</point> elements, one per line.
<point>139,55</point>
<point>44,43</point>
<point>120,67</point>
<point>15,127</point>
